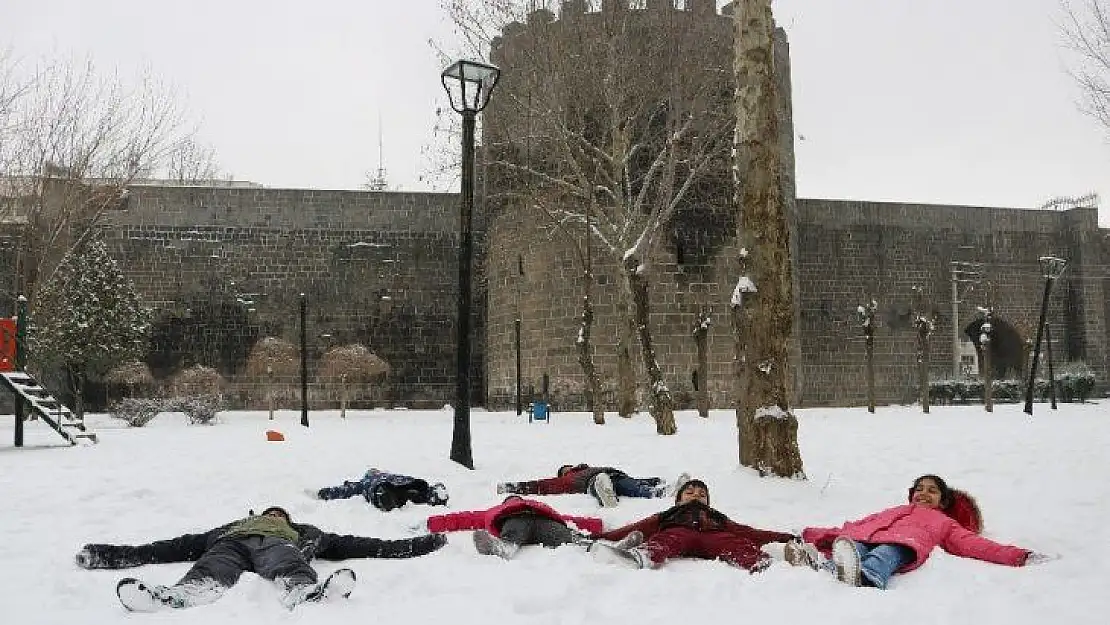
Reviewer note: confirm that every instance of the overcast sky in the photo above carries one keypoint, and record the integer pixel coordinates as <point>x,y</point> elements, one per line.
<point>949,101</point>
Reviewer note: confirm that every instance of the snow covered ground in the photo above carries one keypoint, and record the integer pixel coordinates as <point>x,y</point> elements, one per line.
<point>1043,483</point>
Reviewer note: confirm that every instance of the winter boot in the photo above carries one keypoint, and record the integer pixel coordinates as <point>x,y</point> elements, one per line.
<point>489,545</point>
<point>845,558</point>
<point>438,496</point>
<point>338,585</point>
<point>799,553</point>
<point>610,553</point>
<point>384,499</point>
<point>138,596</point>
<point>601,487</point>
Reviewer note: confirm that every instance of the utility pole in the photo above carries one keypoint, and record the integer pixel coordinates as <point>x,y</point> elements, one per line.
<point>963,273</point>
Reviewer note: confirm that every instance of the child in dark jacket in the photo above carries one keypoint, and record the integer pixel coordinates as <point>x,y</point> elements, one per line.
<point>690,529</point>
<point>606,484</point>
<point>387,491</point>
<point>269,544</point>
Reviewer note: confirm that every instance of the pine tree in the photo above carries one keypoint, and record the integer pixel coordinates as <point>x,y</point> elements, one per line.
<point>88,318</point>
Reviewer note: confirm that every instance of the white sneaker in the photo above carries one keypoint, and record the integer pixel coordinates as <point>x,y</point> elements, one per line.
<point>846,559</point>
<point>338,585</point>
<point>677,484</point>
<point>489,545</point>
<point>635,558</point>
<point>635,538</point>
<point>602,488</point>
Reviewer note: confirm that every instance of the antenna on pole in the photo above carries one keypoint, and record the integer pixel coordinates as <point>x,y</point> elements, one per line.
<point>377,181</point>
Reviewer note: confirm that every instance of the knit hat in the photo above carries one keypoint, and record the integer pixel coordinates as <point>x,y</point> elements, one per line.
<point>282,511</point>
<point>694,482</point>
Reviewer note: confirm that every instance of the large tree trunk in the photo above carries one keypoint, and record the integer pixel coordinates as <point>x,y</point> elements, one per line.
<point>662,404</point>
<point>988,369</point>
<point>626,371</point>
<point>592,390</point>
<point>923,368</point>
<point>701,341</point>
<point>768,429</point>
<point>869,346</point>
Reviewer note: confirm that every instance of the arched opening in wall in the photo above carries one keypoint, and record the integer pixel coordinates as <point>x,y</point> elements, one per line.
<point>1007,348</point>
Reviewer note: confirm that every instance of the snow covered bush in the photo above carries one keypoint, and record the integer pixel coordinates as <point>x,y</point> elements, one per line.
<point>199,409</point>
<point>136,412</point>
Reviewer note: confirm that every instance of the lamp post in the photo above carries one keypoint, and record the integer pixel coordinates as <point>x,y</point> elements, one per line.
<point>1051,268</point>
<point>304,360</point>
<point>469,85</point>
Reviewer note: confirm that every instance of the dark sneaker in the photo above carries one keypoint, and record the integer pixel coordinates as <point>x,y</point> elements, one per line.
<point>439,494</point>
<point>845,558</point>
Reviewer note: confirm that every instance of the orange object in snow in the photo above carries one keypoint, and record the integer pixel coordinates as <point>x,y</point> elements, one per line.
<point>274,435</point>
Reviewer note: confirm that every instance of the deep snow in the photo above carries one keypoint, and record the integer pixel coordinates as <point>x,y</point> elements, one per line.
<point>1043,483</point>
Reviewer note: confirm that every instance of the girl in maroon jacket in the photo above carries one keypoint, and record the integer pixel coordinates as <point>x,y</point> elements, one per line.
<point>690,529</point>
<point>502,530</point>
<point>868,552</point>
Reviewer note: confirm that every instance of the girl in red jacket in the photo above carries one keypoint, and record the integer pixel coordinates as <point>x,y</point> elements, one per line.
<point>689,529</point>
<point>869,551</point>
<point>502,530</point>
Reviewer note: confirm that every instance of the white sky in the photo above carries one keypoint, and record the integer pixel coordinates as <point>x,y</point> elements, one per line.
<point>940,101</point>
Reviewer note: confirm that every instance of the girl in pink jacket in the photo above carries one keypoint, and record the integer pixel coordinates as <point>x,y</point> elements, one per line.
<point>502,530</point>
<point>869,551</point>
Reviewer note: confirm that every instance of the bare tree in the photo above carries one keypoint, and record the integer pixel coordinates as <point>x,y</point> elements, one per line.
<point>923,324</point>
<point>985,349</point>
<point>767,428</point>
<point>273,358</point>
<point>701,342</point>
<point>71,140</point>
<point>1086,31</point>
<point>347,365</point>
<point>613,128</point>
<point>866,314</point>
<point>197,380</point>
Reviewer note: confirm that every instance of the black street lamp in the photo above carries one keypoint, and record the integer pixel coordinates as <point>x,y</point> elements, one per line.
<point>469,85</point>
<point>1051,268</point>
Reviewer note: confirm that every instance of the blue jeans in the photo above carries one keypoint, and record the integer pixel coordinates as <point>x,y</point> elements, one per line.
<point>645,487</point>
<point>879,561</point>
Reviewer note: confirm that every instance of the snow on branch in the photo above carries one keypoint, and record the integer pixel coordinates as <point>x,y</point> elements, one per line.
<point>743,285</point>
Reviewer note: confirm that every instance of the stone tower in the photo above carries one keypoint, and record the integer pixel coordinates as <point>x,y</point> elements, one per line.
<point>561,68</point>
